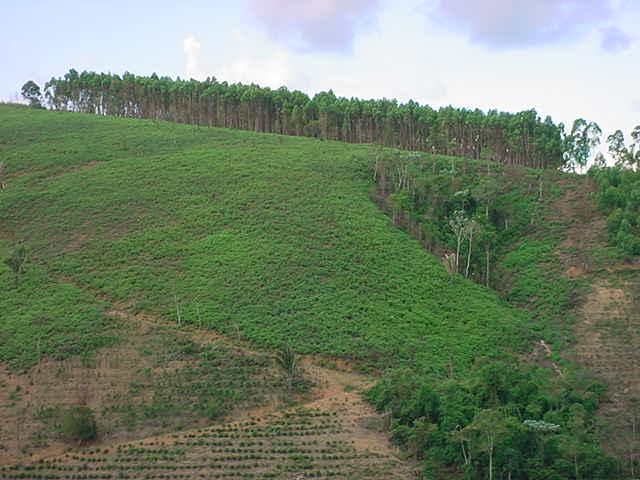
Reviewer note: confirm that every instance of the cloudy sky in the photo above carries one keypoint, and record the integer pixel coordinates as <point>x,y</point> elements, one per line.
<point>566,58</point>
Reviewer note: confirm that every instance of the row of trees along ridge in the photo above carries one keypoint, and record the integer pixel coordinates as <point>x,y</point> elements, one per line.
<point>511,138</point>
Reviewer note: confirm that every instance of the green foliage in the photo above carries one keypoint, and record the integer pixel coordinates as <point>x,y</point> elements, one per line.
<point>454,204</point>
<point>273,237</point>
<point>210,381</point>
<point>287,360</point>
<point>17,261</point>
<point>522,138</point>
<point>527,421</point>
<point>31,92</point>
<point>66,321</point>
<point>626,156</point>
<point>619,197</point>
<point>530,278</point>
<point>580,142</point>
<point>494,213</point>
<point>79,425</point>
<point>215,409</point>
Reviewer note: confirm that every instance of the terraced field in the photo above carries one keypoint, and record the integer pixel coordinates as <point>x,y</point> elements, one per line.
<point>334,434</point>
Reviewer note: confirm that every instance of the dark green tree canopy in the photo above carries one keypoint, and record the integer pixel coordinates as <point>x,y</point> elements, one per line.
<point>31,93</point>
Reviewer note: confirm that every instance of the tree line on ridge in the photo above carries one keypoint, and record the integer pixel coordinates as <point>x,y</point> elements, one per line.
<point>521,138</point>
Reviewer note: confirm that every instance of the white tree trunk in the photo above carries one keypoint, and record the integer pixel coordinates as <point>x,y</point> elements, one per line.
<point>466,273</point>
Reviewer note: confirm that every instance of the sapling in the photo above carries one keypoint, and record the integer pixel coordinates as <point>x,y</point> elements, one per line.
<point>17,261</point>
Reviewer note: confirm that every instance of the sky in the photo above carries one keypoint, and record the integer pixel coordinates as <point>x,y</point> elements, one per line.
<point>565,58</point>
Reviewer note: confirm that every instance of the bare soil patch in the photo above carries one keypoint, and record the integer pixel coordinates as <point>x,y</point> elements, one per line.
<point>608,314</point>
<point>330,433</point>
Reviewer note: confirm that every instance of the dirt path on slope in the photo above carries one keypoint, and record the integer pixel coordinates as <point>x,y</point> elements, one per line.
<point>586,228</point>
<point>607,315</point>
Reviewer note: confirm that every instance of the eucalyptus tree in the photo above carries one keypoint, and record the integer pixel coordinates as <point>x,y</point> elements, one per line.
<point>459,224</point>
<point>488,428</point>
<point>580,142</point>
<point>625,156</point>
<point>521,138</point>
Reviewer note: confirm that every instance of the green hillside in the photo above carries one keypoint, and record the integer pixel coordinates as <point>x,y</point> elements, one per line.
<point>148,239</point>
<point>274,236</point>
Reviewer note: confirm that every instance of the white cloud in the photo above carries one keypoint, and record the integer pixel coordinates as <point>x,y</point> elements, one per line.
<point>191,48</point>
<point>273,71</point>
<point>503,24</point>
<point>315,25</point>
<point>267,65</point>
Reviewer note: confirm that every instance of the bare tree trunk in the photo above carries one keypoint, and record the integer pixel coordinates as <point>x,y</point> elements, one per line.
<point>540,188</point>
<point>467,460</point>
<point>178,313</point>
<point>491,459</point>
<point>466,273</point>
<point>632,444</point>
<point>488,258</point>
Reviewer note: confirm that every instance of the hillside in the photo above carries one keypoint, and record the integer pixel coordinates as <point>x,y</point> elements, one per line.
<point>274,236</point>
<point>543,242</point>
<point>167,262</point>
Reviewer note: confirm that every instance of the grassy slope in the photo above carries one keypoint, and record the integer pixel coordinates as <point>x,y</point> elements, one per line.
<point>270,237</point>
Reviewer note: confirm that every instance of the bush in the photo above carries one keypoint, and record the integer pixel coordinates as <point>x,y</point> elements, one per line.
<point>619,198</point>
<point>215,409</point>
<point>79,425</point>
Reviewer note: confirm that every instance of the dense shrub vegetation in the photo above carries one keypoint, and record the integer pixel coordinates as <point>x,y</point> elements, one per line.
<point>619,197</point>
<point>483,218</point>
<point>265,238</point>
<point>474,210</point>
<point>66,321</point>
<point>487,223</point>
<point>499,422</point>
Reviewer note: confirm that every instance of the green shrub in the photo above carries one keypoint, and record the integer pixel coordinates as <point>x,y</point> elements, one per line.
<point>79,425</point>
<point>215,409</point>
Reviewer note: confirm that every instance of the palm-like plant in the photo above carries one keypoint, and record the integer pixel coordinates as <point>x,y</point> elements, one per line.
<point>287,359</point>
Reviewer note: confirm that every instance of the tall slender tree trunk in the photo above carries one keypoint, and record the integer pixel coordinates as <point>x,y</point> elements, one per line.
<point>487,250</point>
<point>466,273</point>
<point>491,459</point>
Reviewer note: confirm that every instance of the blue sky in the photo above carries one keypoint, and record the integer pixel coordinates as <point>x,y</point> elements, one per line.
<point>566,58</point>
